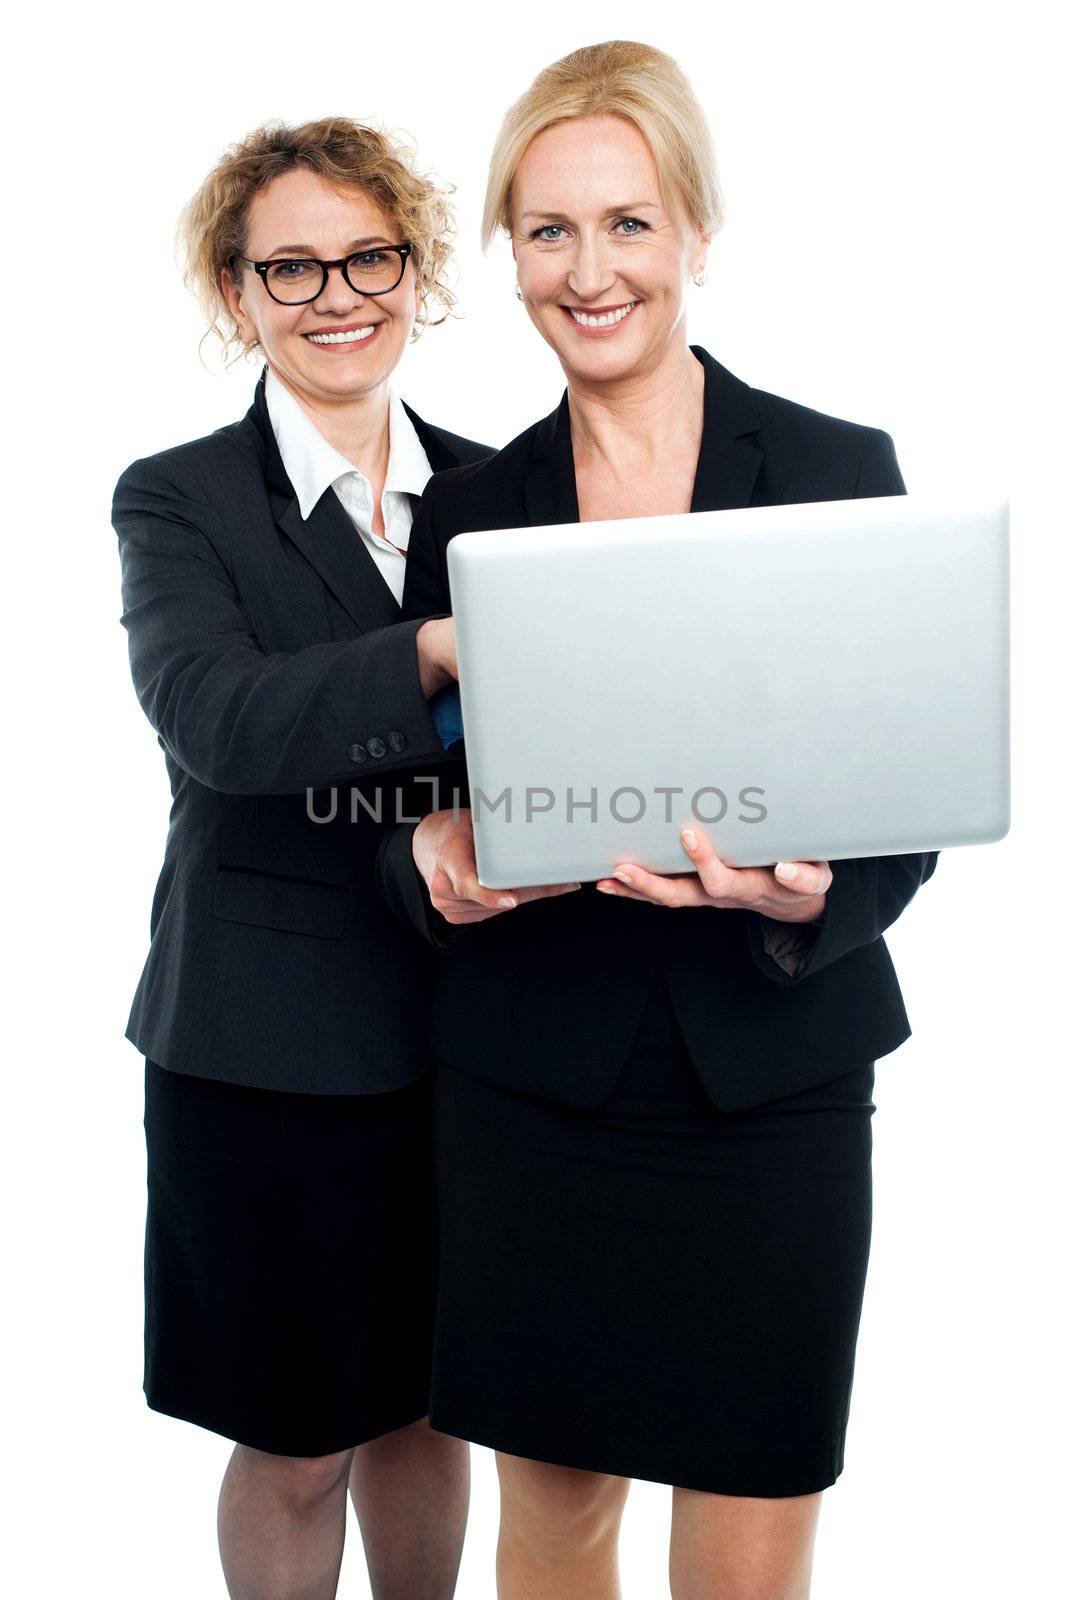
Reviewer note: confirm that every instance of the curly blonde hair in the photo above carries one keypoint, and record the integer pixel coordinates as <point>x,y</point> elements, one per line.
<point>212,230</point>
<point>619,78</point>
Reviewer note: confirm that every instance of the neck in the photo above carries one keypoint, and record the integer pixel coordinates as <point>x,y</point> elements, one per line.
<point>357,426</point>
<point>642,413</point>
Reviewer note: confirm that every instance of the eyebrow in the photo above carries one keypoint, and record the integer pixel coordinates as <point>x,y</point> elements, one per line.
<point>611,211</point>
<point>308,250</point>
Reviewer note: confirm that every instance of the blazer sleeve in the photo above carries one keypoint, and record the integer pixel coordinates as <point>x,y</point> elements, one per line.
<point>867,893</point>
<point>240,719</point>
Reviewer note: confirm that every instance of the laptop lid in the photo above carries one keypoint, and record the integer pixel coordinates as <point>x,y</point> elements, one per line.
<point>805,682</point>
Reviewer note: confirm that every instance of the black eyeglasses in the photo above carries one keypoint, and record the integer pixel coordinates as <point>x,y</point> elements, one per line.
<point>298,281</point>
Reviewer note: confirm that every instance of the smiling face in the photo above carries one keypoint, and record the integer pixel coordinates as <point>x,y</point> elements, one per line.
<point>602,267</point>
<point>301,214</point>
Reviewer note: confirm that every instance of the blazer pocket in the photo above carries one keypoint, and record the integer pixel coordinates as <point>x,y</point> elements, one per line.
<point>270,900</point>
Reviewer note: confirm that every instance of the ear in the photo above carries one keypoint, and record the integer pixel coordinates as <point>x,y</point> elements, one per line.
<point>703,248</point>
<point>234,298</point>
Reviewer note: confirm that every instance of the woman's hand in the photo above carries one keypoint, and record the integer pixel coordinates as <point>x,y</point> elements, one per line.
<point>437,663</point>
<point>798,898</point>
<point>443,854</point>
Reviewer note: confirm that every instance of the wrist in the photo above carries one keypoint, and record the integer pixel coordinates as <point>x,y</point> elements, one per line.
<point>433,668</point>
<point>813,912</point>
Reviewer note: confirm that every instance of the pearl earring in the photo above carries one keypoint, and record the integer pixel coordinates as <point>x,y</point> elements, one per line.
<point>699,279</point>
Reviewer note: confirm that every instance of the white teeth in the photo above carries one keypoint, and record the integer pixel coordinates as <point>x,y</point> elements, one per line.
<point>607,320</point>
<point>342,338</point>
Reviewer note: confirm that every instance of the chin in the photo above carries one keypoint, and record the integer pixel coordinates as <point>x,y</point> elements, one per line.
<point>598,361</point>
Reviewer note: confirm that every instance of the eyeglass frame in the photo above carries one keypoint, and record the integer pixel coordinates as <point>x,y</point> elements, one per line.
<point>262,268</point>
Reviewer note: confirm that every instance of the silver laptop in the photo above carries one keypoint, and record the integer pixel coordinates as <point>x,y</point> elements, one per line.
<point>805,682</point>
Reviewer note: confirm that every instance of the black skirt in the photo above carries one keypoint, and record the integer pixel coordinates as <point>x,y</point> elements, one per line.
<point>290,1261</point>
<point>654,1288</point>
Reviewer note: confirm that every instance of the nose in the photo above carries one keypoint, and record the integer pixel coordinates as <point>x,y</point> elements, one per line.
<point>591,273</point>
<point>338,296</point>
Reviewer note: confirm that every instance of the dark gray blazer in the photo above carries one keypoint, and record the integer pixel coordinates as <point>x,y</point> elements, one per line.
<point>546,998</point>
<point>269,655</point>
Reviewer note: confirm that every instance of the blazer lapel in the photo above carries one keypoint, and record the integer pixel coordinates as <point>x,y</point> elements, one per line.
<point>549,488</point>
<point>439,457</point>
<point>337,553</point>
<point>436,451</point>
<point>326,539</point>
<point>729,460</point>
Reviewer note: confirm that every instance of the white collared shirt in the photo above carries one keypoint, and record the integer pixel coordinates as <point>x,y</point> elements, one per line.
<point>313,466</point>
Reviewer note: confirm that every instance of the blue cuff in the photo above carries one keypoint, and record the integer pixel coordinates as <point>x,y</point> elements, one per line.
<point>445,708</point>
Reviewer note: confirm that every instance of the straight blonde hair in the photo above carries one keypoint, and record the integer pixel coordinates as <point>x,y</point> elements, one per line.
<point>621,79</point>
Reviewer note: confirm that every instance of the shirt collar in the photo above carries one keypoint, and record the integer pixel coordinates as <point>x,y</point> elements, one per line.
<point>408,465</point>
<point>313,465</point>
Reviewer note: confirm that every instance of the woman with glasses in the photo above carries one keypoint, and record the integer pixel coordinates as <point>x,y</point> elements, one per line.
<point>290,1259</point>
<point>654,1104</point>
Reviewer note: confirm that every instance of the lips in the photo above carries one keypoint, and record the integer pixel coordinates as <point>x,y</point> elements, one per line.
<point>332,338</point>
<point>595,318</point>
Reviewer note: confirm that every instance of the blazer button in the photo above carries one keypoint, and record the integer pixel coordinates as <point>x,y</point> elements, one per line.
<point>397,741</point>
<point>357,753</point>
<point>377,748</point>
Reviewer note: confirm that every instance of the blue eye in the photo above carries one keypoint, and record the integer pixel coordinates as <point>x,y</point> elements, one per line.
<point>637,226</point>
<point>553,228</point>
<point>290,270</point>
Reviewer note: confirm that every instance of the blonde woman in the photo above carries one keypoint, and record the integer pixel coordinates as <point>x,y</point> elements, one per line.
<point>290,1259</point>
<point>654,1094</point>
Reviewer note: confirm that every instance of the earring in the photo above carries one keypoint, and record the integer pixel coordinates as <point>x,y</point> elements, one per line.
<point>517,291</point>
<point>699,279</point>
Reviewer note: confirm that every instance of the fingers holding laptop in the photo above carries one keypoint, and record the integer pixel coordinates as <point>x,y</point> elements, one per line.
<point>792,891</point>
<point>444,855</point>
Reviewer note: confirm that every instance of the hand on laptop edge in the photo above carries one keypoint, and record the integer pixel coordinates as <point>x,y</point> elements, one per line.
<point>800,898</point>
<point>444,855</point>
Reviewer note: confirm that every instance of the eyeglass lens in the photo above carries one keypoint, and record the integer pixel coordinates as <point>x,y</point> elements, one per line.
<point>376,271</point>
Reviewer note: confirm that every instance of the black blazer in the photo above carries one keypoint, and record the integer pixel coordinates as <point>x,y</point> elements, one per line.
<point>546,998</point>
<point>269,655</point>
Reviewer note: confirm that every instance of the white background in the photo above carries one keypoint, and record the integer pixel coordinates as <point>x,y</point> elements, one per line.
<point>891,255</point>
